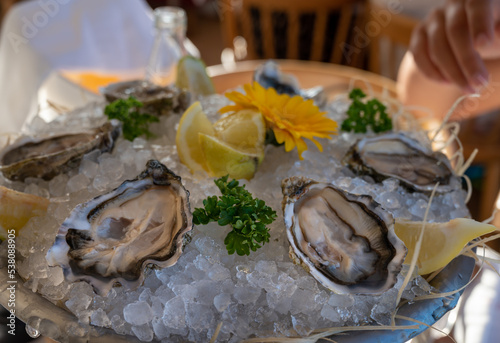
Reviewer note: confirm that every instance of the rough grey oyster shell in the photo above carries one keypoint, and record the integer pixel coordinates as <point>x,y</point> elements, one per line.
<point>345,241</point>
<point>398,156</point>
<point>49,156</point>
<point>113,237</point>
<point>157,100</point>
<point>269,74</point>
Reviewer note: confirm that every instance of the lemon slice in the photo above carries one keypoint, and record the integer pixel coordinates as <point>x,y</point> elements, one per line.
<point>192,122</point>
<point>223,159</point>
<point>244,130</point>
<point>442,242</point>
<point>192,75</point>
<point>17,208</point>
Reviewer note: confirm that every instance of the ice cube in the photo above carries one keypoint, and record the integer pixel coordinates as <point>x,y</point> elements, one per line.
<point>143,332</point>
<point>138,313</point>
<point>77,182</point>
<point>199,317</point>
<point>301,324</point>
<point>174,314</point>
<point>160,330</point>
<point>78,303</point>
<point>330,313</point>
<point>219,273</point>
<point>222,301</point>
<point>145,295</point>
<point>57,185</point>
<point>100,318</point>
<point>266,267</point>
<point>119,325</point>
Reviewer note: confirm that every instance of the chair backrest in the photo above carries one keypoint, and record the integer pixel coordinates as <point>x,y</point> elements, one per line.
<point>388,46</point>
<point>307,29</point>
<point>482,133</point>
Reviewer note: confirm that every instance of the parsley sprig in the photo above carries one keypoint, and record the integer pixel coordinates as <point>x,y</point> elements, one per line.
<point>134,123</point>
<point>363,115</point>
<point>236,207</point>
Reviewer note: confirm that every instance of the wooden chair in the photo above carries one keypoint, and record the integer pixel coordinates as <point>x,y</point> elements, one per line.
<point>389,45</point>
<point>482,133</point>
<point>5,5</point>
<point>315,30</point>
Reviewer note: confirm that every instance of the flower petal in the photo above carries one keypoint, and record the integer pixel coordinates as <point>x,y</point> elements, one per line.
<point>291,118</point>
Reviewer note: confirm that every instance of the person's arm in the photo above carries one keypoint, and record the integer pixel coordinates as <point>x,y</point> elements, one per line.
<point>454,51</point>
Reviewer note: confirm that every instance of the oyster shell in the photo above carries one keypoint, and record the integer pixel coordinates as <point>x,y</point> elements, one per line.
<point>399,156</point>
<point>49,156</point>
<point>269,74</point>
<point>345,241</point>
<point>113,237</point>
<point>156,99</point>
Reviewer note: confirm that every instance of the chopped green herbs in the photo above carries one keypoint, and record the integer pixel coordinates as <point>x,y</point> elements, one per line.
<point>236,207</point>
<point>363,115</point>
<point>134,123</point>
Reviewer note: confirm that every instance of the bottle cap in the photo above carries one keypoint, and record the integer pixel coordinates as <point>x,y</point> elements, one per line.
<point>170,17</point>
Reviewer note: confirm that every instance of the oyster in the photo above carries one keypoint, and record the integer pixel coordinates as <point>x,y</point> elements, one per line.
<point>49,156</point>
<point>345,241</point>
<point>269,75</point>
<point>156,99</point>
<point>113,237</point>
<point>399,156</point>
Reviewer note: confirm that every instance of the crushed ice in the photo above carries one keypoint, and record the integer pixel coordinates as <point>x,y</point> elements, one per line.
<point>263,294</point>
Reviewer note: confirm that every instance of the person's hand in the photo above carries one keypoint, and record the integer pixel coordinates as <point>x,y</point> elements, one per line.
<point>450,45</point>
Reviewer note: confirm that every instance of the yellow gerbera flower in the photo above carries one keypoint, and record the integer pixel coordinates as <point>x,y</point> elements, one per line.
<point>291,118</point>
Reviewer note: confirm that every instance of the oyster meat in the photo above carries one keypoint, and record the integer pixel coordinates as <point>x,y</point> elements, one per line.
<point>399,156</point>
<point>113,237</point>
<point>49,156</point>
<point>345,241</point>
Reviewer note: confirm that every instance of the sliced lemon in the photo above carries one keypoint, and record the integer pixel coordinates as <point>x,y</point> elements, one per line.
<point>192,122</point>
<point>17,208</point>
<point>192,75</point>
<point>223,159</point>
<point>244,130</point>
<point>442,242</point>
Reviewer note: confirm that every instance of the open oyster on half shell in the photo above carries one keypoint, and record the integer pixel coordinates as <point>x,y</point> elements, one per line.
<point>46,157</point>
<point>399,156</point>
<point>345,241</point>
<point>113,237</point>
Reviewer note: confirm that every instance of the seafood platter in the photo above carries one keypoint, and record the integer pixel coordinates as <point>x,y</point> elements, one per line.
<point>120,243</point>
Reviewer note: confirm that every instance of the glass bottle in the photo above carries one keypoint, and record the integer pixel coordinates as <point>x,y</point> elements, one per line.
<point>168,46</point>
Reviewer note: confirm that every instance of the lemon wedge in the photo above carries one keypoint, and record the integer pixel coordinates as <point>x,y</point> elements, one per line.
<point>192,75</point>
<point>244,130</point>
<point>192,122</point>
<point>223,159</point>
<point>17,208</point>
<point>442,242</point>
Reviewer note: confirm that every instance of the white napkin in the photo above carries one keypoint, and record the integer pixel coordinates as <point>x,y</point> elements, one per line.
<point>40,36</point>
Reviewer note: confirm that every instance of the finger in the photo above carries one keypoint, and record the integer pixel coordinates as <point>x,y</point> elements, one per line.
<point>462,46</point>
<point>419,49</point>
<point>441,53</point>
<point>481,22</point>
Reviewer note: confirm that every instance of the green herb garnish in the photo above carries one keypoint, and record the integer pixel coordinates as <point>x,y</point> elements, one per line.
<point>236,207</point>
<point>361,115</point>
<point>134,123</point>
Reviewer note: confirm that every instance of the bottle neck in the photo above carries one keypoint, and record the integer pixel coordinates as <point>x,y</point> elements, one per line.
<point>177,33</point>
